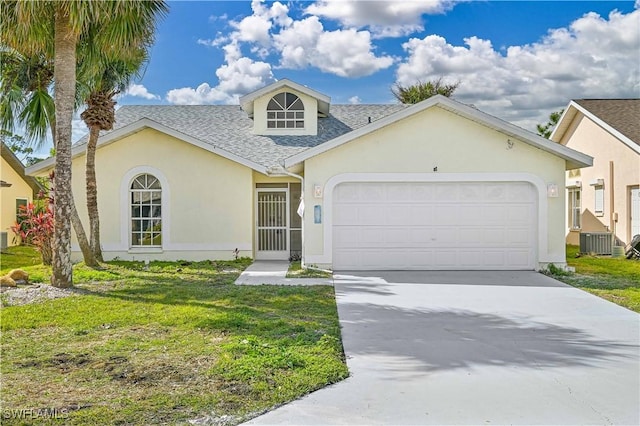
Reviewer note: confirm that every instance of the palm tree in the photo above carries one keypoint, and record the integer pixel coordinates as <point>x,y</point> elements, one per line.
<point>115,77</point>
<point>58,26</point>
<point>25,89</point>
<point>421,91</point>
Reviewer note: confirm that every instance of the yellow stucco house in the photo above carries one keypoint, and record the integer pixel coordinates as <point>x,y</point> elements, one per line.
<point>16,189</point>
<point>605,197</point>
<point>436,185</point>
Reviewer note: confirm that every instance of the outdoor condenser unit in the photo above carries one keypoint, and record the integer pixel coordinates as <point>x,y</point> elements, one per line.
<point>595,242</point>
<point>3,240</point>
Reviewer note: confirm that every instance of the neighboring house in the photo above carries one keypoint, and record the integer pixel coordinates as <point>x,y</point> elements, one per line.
<point>436,185</point>
<point>605,197</point>
<point>17,189</point>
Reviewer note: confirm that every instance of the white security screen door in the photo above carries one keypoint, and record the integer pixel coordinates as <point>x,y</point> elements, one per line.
<point>272,224</point>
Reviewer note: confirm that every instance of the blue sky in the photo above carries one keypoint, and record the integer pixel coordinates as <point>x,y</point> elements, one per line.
<point>517,60</point>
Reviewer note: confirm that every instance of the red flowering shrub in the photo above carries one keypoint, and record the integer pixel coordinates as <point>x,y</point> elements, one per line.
<point>35,227</point>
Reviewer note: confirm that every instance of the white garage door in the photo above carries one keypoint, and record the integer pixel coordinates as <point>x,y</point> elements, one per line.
<point>421,225</point>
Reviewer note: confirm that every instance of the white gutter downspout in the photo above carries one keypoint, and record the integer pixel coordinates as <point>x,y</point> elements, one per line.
<point>284,171</point>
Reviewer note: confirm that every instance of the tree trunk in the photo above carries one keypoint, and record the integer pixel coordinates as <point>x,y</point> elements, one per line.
<point>92,193</point>
<point>85,248</point>
<point>64,86</point>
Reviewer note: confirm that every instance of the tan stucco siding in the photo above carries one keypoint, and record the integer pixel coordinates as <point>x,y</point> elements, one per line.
<point>19,189</point>
<point>456,146</point>
<point>209,197</point>
<point>586,136</point>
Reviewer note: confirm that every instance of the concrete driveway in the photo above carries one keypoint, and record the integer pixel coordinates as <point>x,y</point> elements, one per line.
<point>476,348</point>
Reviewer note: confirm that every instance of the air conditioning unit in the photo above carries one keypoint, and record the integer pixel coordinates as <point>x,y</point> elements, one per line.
<point>595,242</point>
<point>3,240</point>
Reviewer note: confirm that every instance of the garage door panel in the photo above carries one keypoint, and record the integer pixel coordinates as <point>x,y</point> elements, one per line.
<point>401,225</point>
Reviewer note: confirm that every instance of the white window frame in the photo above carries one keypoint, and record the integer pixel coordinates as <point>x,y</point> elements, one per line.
<point>574,202</point>
<point>151,217</point>
<point>286,116</point>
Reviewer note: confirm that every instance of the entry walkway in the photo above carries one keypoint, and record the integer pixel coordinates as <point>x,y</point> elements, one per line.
<point>274,272</point>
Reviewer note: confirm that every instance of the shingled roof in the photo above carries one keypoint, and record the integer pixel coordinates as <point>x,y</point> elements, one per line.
<point>229,128</point>
<point>621,114</point>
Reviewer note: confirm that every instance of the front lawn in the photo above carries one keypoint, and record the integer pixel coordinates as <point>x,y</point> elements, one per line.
<point>297,271</point>
<point>164,345</point>
<point>617,280</point>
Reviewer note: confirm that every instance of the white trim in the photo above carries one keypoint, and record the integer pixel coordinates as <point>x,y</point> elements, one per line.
<point>574,159</point>
<point>125,222</point>
<point>562,127</point>
<point>542,252</point>
<point>138,126</point>
<point>175,247</point>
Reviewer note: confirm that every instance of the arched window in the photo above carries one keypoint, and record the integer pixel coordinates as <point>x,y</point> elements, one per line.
<point>146,211</point>
<point>285,111</point>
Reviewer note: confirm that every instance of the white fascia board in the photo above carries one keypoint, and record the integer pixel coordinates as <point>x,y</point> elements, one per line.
<point>563,123</point>
<point>607,127</point>
<point>246,101</point>
<point>146,123</point>
<point>573,158</point>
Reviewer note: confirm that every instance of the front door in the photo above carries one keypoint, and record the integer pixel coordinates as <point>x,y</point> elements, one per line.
<point>272,224</point>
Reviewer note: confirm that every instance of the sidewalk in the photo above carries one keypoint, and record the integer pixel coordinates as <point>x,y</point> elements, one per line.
<point>274,272</point>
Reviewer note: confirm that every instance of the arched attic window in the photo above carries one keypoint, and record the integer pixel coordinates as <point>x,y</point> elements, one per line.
<point>285,111</point>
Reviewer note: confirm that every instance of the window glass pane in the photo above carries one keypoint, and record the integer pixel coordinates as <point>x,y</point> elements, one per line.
<point>280,124</point>
<point>296,105</point>
<point>271,125</point>
<point>300,115</point>
<point>299,124</point>
<point>289,124</point>
<point>599,207</point>
<point>20,203</point>
<point>290,115</point>
<point>271,115</point>
<point>146,211</point>
<point>280,115</point>
<point>280,99</point>
<point>273,105</point>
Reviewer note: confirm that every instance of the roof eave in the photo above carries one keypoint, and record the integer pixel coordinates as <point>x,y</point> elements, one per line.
<point>137,126</point>
<point>574,159</point>
<point>569,115</point>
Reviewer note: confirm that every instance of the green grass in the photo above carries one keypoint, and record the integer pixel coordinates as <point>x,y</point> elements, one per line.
<point>617,280</point>
<point>18,257</point>
<point>296,271</point>
<point>163,345</point>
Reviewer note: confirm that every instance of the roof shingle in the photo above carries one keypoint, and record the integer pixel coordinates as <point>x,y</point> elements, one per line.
<point>229,128</point>
<point>621,114</point>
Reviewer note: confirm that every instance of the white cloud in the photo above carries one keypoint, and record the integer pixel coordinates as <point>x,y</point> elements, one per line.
<point>593,57</point>
<point>236,78</point>
<point>345,53</point>
<point>355,100</point>
<point>382,18</point>
<point>300,44</point>
<point>139,91</point>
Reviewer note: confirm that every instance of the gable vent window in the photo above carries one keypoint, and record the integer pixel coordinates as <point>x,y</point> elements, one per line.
<point>285,111</point>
